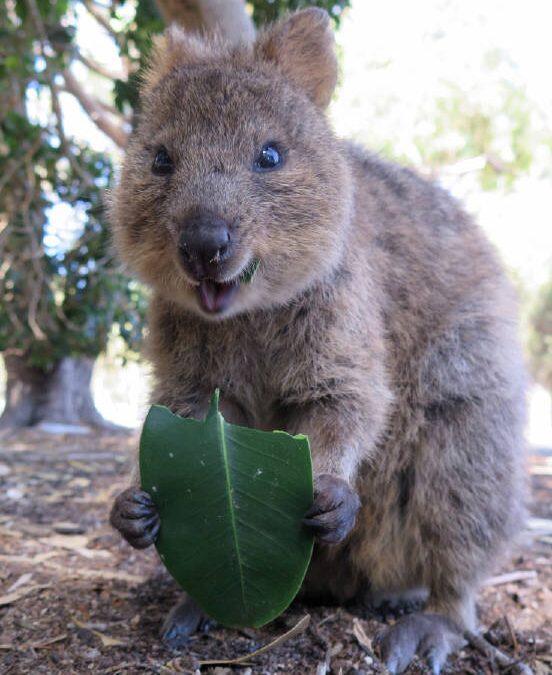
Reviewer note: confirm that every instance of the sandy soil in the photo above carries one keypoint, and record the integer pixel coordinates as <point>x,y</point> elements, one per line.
<point>75,599</point>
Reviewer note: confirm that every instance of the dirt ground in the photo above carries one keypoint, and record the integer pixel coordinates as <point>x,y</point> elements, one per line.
<point>75,599</point>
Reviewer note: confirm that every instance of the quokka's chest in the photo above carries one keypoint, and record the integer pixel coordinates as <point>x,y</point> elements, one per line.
<point>228,361</point>
<point>247,368</point>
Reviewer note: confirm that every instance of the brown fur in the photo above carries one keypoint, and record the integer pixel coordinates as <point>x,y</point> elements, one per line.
<point>379,323</point>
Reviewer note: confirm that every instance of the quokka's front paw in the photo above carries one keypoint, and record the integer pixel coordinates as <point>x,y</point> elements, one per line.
<point>333,513</point>
<point>135,516</point>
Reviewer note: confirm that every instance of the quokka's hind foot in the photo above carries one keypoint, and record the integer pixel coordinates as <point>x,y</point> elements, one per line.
<point>184,619</point>
<point>430,636</point>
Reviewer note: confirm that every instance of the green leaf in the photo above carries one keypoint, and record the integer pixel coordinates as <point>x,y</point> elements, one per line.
<point>231,501</point>
<point>249,272</point>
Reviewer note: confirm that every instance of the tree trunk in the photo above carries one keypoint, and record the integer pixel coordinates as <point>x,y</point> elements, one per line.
<point>228,18</point>
<point>60,396</point>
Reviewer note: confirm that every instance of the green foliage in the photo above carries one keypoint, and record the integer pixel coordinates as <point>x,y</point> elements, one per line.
<point>135,43</point>
<point>507,149</point>
<point>269,10</point>
<point>60,295</point>
<point>135,39</point>
<point>540,337</point>
<point>231,502</point>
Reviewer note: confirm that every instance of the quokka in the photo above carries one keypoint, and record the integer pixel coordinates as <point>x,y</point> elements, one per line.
<point>379,322</point>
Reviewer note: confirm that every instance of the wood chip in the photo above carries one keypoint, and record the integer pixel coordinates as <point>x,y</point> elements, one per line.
<point>361,637</point>
<point>541,470</point>
<point>327,619</point>
<point>495,655</point>
<point>79,482</point>
<point>540,525</point>
<point>37,559</point>
<point>23,579</point>
<point>76,543</point>
<point>10,533</point>
<point>516,575</point>
<point>299,627</point>
<point>545,540</point>
<point>106,640</point>
<point>48,641</point>
<point>68,528</point>
<point>128,666</point>
<point>56,497</point>
<point>108,575</point>
<point>10,598</point>
<point>81,466</point>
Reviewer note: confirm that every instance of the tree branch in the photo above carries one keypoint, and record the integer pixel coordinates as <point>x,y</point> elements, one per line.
<point>112,110</point>
<point>102,20</point>
<point>99,68</point>
<point>95,111</point>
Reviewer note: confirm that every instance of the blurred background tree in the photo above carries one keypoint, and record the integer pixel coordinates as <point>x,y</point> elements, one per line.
<point>540,337</point>
<point>479,121</point>
<point>63,294</point>
<point>460,90</point>
<point>264,11</point>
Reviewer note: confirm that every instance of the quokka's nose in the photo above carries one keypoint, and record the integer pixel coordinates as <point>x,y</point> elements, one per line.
<point>204,244</point>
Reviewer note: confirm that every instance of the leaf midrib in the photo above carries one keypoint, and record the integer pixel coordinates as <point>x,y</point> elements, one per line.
<point>222,438</point>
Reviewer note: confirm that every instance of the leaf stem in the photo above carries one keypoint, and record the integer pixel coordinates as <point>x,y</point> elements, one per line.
<point>222,437</point>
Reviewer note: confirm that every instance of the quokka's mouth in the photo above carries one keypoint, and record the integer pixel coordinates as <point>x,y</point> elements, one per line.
<point>216,296</point>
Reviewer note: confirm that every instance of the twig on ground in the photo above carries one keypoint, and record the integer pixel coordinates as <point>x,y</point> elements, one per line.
<point>106,640</point>
<point>361,637</point>
<point>516,575</point>
<point>41,644</point>
<point>10,598</point>
<point>512,633</point>
<point>299,627</point>
<point>327,619</point>
<point>494,654</point>
<point>21,581</point>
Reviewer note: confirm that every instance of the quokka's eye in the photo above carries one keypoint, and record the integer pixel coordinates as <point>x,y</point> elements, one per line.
<point>162,164</point>
<point>269,158</point>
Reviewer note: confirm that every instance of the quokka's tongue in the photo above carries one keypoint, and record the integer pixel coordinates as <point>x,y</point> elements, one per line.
<point>208,295</point>
<point>215,297</point>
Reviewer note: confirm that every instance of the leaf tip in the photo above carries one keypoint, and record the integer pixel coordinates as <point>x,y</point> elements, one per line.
<point>214,405</point>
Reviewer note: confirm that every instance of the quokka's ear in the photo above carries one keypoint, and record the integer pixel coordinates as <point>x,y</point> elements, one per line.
<point>302,47</point>
<point>173,48</point>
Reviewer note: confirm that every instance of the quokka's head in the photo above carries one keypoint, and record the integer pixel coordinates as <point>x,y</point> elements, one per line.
<point>233,167</point>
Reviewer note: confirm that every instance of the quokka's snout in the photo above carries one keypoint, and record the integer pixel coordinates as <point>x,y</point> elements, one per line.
<point>205,243</point>
<point>206,248</point>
